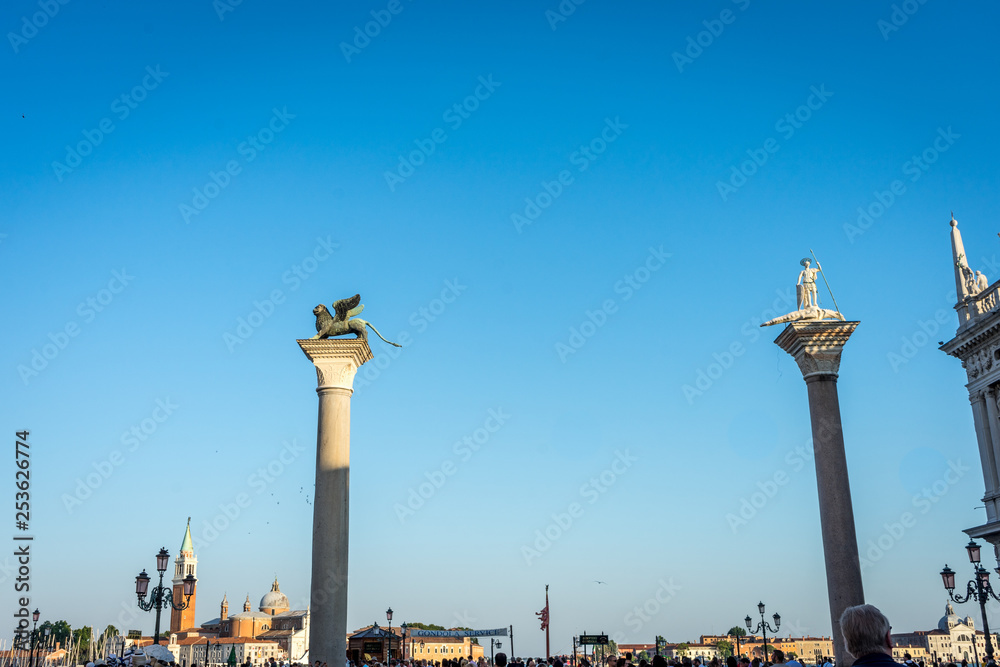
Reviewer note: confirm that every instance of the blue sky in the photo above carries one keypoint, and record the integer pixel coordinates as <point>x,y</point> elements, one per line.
<point>245,171</point>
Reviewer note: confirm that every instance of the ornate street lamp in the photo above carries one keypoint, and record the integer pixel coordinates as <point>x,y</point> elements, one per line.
<point>403,639</point>
<point>977,589</point>
<point>388,647</point>
<point>160,597</point>
<point>763,626</point>
<point>34,635</point>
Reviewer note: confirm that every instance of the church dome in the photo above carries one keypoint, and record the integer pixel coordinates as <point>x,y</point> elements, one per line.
<point>274,600</point>
<point>949,620</point>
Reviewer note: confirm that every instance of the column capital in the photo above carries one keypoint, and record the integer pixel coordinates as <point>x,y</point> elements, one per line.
<point>337,360</point>
<point>816,346</point>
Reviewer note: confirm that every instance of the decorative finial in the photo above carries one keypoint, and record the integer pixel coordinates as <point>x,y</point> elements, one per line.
<point>954,222</point>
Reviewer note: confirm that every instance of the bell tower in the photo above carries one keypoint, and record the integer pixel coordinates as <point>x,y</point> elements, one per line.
<point>224,611</point>
<point>184,564</point>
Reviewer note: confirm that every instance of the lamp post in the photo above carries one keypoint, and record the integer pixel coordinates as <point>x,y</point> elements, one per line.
<point>737,644</point>
<point>160,597</point>
<point>493,643</point>
<point>388,647</point>
<point>33,639</point>
<point>402,638</point>
<point>978,589</point>
<point>763,626</point>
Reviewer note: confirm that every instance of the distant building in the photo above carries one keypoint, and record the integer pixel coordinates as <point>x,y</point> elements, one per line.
<point>808,649</point>
<point>955,639</point>
<point>184,564</point>
<point>977,345</point>
<point>214,652</point>
<point>273,630</point>
<point>432,648</point>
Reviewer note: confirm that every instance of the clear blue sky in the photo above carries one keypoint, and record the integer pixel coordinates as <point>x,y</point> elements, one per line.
<point>310,213</point>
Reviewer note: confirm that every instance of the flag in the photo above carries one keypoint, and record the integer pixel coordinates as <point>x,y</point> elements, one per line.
<point>543,616</point>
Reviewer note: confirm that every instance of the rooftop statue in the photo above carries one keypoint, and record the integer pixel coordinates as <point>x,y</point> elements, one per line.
<point>808,298</point>
<point>337,325</point>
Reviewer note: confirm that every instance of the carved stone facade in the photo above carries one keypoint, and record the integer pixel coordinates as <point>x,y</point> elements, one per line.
<point>977,345</point>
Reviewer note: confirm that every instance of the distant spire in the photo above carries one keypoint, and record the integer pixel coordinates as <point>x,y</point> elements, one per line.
<point>246,605</point>
<point>961,263</point>
<point>187,545</point>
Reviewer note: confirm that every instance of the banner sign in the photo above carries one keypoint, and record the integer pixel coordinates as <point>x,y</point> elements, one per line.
<point>599,640</point>
<point>417,632</point>
<point>373,647</point>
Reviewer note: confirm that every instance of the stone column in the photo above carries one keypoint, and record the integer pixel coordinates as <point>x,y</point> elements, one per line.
<point>816,347</point>
<point>336,361</point>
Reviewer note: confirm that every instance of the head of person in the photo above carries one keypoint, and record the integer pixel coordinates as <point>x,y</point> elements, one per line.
<point>500,659</point>
<point>777,656</point>
<point>866,631</point>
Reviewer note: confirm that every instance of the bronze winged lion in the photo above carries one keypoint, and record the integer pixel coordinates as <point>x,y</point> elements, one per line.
<point>337,325</point>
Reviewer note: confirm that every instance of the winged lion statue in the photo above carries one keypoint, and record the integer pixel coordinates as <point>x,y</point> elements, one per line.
<point>342,323</point>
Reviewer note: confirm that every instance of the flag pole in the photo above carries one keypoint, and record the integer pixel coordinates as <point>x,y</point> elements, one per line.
<point>820,267</point>
<point>548,622</point>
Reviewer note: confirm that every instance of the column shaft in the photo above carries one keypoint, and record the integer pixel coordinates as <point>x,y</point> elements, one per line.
<point>336,361</point>
<point>328,599</point>
<point>836,511</point>
<point>991,428</point>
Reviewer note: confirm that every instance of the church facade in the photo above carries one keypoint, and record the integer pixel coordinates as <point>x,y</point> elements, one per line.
<point>955,639</point>
<point>273,630</point>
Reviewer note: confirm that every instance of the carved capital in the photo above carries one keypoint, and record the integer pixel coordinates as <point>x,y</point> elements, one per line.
<point>337,360</point>
<point>816,346</point>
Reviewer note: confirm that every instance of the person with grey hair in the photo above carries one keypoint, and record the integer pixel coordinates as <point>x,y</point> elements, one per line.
<point>868,636</point>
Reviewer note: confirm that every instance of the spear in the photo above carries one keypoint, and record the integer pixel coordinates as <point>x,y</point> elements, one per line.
<point>820,267</point>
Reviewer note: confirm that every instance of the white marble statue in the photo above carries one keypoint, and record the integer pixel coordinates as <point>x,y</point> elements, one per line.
<point>806,286</point>
<point>808,299</point>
